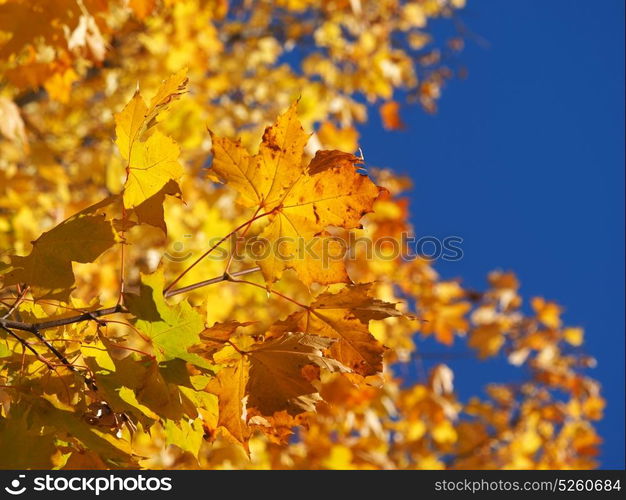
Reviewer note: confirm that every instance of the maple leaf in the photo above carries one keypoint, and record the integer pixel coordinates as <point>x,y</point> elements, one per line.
<point>443,310</point>
<point>301,201</point>
<point>277,380</point>
<point>271,377</point>
<point>214,338</point>
<point>574,336</point>
<point>150,211</point>
<point>154,162</point>
<point>344,139</point>
<point>70,426</point>
<point>152,165</point>
<point>170,329</point>
<point>5,351</point>
<point>48,267</point>
<point>188,436</point>
<point>549,313</point>
<point>29,447</point>
<point>128,395</point>
<point>136,118</point>
<point>147,390</point>
<point>263,179</point>
<point>361,302</point>
<point>344,316</point>
<point>229,385</point>
<point>487,339</point>
<point>276,428</point>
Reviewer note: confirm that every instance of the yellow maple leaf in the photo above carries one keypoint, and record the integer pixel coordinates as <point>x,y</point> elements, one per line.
<point>549,313</point>
<point>300,201</point>
<point>215,337</point>
<point>229,385</point>
<point>487,339</point>
<point>263,179</point>
<point>443,311</point>
<point>574,336</point>
<point>345,138</point>
<point>152,163</point>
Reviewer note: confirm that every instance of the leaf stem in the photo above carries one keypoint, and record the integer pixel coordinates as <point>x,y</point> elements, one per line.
<point>236,243</point>
<point>222,240</point>
<point>17,301</point>
<point>252,283</point>
<point>217,279</point>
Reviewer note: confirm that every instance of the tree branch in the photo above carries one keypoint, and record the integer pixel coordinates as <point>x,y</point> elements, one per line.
<point>26,345</point>
<point>37,327</point>
<point>90,382</point>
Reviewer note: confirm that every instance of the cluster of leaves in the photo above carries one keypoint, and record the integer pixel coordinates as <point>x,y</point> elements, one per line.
<point>124,344</point>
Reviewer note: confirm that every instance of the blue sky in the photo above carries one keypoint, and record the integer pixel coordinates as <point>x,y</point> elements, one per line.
<point>525,161</point>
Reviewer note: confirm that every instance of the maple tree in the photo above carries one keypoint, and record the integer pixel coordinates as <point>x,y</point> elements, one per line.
<point>133,331</point>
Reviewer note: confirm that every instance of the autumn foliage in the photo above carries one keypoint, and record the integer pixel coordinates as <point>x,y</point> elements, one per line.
<point>179,184</point>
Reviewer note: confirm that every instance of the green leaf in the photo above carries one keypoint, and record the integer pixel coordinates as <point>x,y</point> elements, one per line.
<point>137,385</point>
<point>187,436</point>
<point>128,395</point>
<point>170,329</point>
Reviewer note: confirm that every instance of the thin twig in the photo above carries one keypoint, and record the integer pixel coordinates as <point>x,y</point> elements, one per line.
<point>26,345</point>
<point>61,357</point>
<point>120,297</point>
<point>217,279</point>
<point>17,302</point>
<point>222,240</point>
<point>236,243</point>
<point>274,292</point>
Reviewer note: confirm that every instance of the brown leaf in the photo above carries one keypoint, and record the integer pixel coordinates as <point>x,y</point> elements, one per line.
<point>277,381</point>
